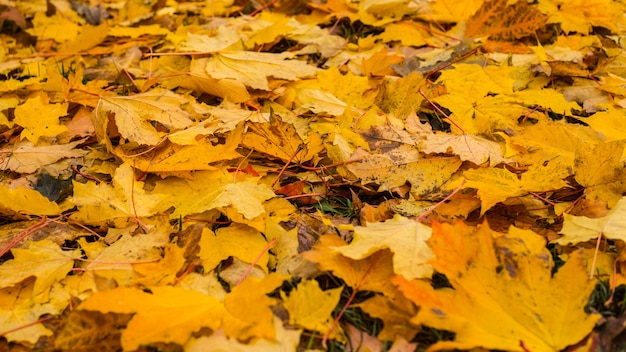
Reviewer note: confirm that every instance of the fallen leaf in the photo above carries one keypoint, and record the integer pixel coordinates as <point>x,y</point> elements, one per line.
<point>280,140</point>
<point>19,310</point>
<point>468,147</point>
<point>369,274</point>
<point>163,314</point>
<point>580,16</point>
<point>28,158</point>
<point>135,114</point>
<point>253,69</point>
<point>504,293</point>
<point>406,238</point>
<point>286,340</point>
<point>310,307</point>
<point>249,302</point>
<point>125,199</point>
<point>26,200</point>
<point>496,185</point>
<point>47,122</point>
<point>581,228</point>
<point>43,260</point>
<point>600,169</point>
<point>238,240</point>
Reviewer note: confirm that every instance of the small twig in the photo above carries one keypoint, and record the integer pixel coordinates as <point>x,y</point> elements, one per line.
<point>23,234</point>
<point>263,7</point>
<point>336,321</point>
<point>545,200</point>
<point>470,53</point>
<point>89,177</point>
<point>298,150</point>
<point>430,210</point>
<point>305,195</point>
<point>102,262</point>
<point>256,260</point>
<point>241,163</point>
<point>439,110</point>
<point>38,321</point>
<point>595,256</point>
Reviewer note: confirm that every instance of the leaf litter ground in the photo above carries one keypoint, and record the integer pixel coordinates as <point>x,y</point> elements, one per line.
<point>307,175</point>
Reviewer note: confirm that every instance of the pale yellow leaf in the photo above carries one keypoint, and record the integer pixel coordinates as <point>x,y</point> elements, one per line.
<point>406,238</point>
<point>134,115</point>
<point>27,158</point>
<point>253,69</point>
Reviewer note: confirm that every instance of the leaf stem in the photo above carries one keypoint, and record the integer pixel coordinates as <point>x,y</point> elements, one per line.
<point>38,321</point>
<point>23,234</point>
<point>256,260</point>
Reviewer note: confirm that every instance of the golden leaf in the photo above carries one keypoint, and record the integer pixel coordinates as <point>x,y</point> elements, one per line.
<point>504,293</point>
<point>501,20</point>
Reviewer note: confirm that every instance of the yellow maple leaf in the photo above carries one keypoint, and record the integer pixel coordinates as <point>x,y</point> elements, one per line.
<point>115,261</point>
<point>135,32</point>
<point>200,80</point>
<point>249,302</point>
<point>135,115</point>
<point>26,200</point>
<point>164,271</point>
<point>381,63</point>
<point>476,82</point>
<point>171,157</point>
<point>221,39</point>
<point>19,310</point>
<point>580,15</point>
<point>600,169</point>
<point>547,98</point>
<point>409,33</point>
<point>496,185</point>
<point>468,147</point>
<point>482,115</point>
<point>449,11</point>
<point>337,9</point>
<point>253,69</point>
<point>349,88</point>
<point>406,238</point>
<point>165,314</point>
<point>369,274</point>
<point>581,228</point>
<point>381,12</point>
<point>319,101</point>
<point>402,164</point>
<point>401,96</point>
<point>269,27</point>
<point>554,139</point>
<point>40,119</point>
<point>28,158</point>
<point>15,84</point>
<point>280,139</point>
<point>215,189</point>
<point>286,340</point>
<point>237,240</point>
<point>505,296</point>
<point>42,259</point>
<point>57,27</point>
<point>126,198</point>
<point>310,307</point>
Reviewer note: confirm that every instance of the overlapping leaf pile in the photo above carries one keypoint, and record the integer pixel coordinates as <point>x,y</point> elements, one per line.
<point>242,175</point>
